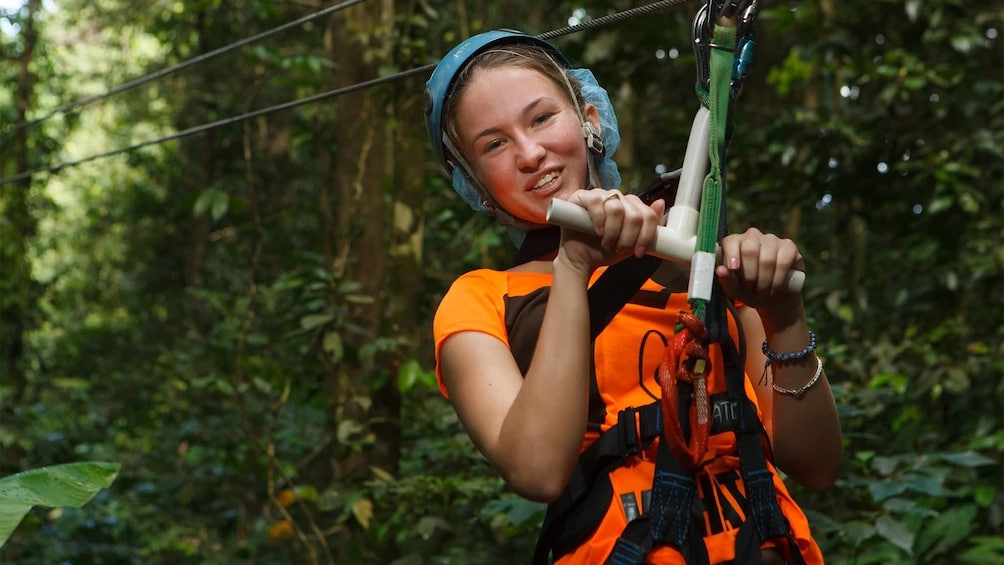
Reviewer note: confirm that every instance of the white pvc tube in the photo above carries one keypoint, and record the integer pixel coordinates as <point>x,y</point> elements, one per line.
<point>668,244</point>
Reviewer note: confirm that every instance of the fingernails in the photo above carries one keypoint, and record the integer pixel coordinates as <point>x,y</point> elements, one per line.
<point>640,251</point>
<point>733,263</point>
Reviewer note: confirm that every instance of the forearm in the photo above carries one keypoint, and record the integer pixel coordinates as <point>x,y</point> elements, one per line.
<point>807,436</point>
<point>543,432</point>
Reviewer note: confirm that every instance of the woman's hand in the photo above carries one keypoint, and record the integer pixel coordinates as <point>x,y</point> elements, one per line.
<point>623,224</point>
<point>755,268</point>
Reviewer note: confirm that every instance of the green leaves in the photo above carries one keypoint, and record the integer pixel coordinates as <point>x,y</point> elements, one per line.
<point>70,485</point>
<point>411,374</point>
<point>213,201</point>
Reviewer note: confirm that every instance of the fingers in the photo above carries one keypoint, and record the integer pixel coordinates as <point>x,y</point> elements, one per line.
<point>622,221</point>
<point>649,231</point>
<point>760,262</point>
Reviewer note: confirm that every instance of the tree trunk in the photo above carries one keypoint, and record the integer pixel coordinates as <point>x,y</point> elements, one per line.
<point>352,209</point>
<point>17,290</point>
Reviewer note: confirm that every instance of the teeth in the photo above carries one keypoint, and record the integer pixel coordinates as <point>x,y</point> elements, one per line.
<point>546,180</point>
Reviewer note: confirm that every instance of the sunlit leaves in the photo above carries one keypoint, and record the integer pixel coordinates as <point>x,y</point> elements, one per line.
<point>362,509</point>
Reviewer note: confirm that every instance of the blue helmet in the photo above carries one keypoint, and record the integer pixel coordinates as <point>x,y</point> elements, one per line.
<point>440,85</point>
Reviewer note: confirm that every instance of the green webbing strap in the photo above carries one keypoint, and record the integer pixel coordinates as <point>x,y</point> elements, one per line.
<point>724,41</point>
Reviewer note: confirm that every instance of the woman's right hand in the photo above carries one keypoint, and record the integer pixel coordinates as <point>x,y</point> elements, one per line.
<point>623,224</point>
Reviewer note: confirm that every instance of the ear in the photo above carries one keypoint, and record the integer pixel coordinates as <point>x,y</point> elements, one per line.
<point>592,115</point>
<point>591,129</point>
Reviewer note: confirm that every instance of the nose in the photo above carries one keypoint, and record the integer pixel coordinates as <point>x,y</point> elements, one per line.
<point>529,152</point>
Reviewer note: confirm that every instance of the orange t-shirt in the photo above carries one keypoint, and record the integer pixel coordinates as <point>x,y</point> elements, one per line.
<point>626,357</point>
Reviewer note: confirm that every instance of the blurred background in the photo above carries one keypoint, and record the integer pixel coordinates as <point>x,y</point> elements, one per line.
<point>223,238</point>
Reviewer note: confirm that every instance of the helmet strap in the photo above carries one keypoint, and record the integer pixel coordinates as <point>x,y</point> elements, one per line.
<point>590,133</point>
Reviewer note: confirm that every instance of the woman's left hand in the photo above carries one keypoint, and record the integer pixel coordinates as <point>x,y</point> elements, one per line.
<point>755,268</point>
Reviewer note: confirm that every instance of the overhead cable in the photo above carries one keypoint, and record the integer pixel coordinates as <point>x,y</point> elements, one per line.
<point>219,123</point>
<point>590,24</point>
<point>175,68</point>
<point>614,18</point>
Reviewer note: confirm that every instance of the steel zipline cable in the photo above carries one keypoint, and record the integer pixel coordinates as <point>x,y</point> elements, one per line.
<point>618,17</point>
<point>175,68</point>
<point>590,24</point>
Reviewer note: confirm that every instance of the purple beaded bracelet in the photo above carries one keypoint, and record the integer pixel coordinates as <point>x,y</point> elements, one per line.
<point>775,357</point>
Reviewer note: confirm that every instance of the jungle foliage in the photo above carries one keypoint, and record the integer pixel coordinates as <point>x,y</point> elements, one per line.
<point>241,317</point>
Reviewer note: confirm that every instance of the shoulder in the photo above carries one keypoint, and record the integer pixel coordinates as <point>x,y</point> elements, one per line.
<point>497,284</point>
<point>480,283</point>
<point>483,293</point>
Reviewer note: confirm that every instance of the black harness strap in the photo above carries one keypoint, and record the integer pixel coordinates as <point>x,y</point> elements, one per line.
<point>564,528</point>
<point>669,520</point>
<point>615,287</point>
<point>671,510</point>
<point>571,519</point>
<point>766,521</point>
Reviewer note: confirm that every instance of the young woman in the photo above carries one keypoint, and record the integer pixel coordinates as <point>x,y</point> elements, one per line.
<point>516,127</point>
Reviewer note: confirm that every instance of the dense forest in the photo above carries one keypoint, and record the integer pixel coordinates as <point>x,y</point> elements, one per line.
<point>223,238</point>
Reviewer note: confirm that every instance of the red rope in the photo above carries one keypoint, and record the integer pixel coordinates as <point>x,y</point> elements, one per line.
<point>686,359</point>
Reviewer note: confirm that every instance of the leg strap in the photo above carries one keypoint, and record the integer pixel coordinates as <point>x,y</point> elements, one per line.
<point>667,520</point>
<point>574,517</point>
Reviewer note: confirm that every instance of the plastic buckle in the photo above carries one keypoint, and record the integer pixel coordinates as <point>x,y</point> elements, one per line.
<point>627,427</point>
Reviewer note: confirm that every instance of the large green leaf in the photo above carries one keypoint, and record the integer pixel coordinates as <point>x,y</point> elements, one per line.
<point>72,485</point>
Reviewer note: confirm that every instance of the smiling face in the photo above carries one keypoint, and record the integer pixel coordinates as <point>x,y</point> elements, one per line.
<point>520,133</point>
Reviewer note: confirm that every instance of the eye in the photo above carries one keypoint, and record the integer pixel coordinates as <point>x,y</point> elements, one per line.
<point>491,145</point>
<point>543,118</point>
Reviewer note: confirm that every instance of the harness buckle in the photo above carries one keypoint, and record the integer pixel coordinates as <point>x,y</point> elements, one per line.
<point>627,427</point>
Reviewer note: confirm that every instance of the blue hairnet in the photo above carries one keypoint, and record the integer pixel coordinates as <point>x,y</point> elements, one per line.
<point>595,94</point>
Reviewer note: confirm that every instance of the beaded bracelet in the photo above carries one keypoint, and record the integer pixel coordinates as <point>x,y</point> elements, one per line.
<point>775,357</point>
<point>805,388</point>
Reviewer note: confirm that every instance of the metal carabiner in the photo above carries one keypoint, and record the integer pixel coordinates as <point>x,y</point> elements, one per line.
<point>701,33</point>
<point>729,9</point>
<point>749,13</point>
<point>743,13</point>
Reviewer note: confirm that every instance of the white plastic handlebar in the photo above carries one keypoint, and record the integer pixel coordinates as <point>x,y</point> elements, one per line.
<point>669,244</point>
